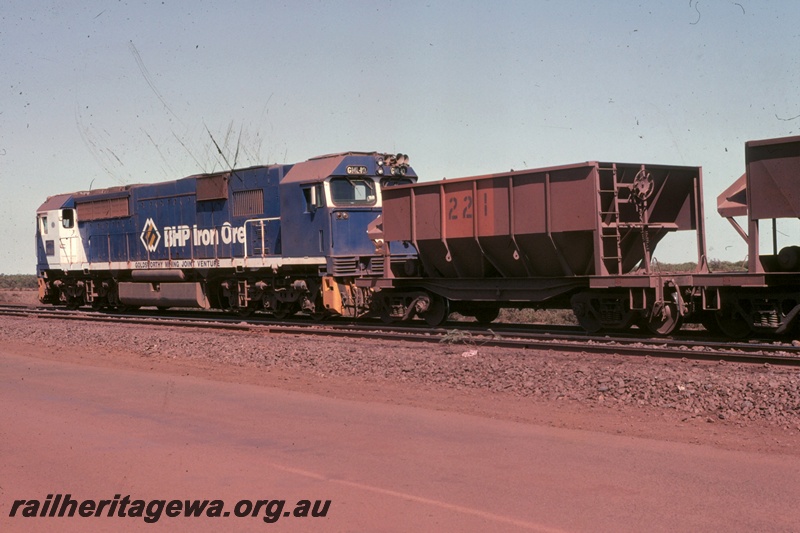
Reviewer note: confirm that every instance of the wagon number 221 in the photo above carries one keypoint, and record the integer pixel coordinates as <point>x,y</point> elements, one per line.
<point>465,212</point>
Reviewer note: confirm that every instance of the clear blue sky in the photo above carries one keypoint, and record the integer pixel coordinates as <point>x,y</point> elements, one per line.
<point>102,93</point>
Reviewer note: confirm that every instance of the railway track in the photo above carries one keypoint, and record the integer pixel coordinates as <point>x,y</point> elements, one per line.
<point>563,339</point>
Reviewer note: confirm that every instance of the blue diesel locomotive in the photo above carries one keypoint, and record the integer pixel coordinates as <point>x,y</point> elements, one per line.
<point>277,238</point>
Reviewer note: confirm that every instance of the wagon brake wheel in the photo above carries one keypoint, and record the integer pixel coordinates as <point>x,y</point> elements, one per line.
<point>642,186</point>
<point>437,312</point>
<point>665,321</point>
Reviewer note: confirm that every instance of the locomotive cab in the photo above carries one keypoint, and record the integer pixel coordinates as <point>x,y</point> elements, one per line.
<point>327,206</point>
<point>59,247</point>
<point>338,197</point>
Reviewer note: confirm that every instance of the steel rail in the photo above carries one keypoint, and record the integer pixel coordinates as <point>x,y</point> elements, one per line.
<point>461,334</point>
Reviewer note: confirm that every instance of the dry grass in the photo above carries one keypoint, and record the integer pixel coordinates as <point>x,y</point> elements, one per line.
<point>24,296</point>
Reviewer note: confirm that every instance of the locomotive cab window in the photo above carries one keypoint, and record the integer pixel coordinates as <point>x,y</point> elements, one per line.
<point>314,198</point>
<point>68,218</point>
<point>353,191</point>
<point>43,224</point>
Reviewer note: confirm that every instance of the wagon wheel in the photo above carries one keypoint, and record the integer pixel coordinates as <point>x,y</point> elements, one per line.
<point>386,316</point>
<point>385,310</point>
<point>486,315</point>
<point>585,313</point>
<point>438,311</point>
<point>732,324</point>
<point>709,321</point>
<point>664,321</point>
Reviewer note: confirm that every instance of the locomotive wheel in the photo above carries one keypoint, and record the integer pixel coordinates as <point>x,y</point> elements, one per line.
<point>733,325</point>
<point>246,311</point>
<point>73,303</point>
<point>437,312</point>
<point>284,310</point>
<point>319,316</point>
<point>319,313</point>
<point>665,322</point>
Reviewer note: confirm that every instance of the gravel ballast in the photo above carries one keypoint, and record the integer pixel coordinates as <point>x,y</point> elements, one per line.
<point>710,391</point>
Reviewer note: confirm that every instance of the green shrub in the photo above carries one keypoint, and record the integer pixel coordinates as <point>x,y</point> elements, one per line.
<point>17,281</point>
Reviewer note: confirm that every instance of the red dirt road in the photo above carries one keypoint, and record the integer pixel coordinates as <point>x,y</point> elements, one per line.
<point>98,432</point>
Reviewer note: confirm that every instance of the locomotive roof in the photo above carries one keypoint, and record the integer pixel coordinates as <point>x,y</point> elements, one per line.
<point>315,168</point>
<point>60,200</point>
<point>54,202</point>
<point>342,154</point>
<point>319,168</point>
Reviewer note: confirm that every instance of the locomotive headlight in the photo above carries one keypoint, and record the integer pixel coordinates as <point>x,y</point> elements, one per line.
<point>379,171</point>
<point>380,162</point>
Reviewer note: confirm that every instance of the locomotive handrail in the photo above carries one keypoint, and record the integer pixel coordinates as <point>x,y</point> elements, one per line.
<point>260,221</point>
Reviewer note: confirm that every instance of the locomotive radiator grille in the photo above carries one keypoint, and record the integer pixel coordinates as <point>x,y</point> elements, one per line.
<point>352,266</point>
